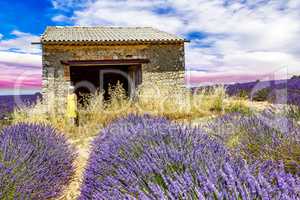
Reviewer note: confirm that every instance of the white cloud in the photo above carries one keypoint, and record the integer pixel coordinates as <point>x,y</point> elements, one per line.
<point>60,18</point>
<point>22,67</point>
<point>1,35</point>
<point>253,37</point>
<point>21,43</point>
<point>261,62</point>
<point>126,13</point>
<point>66,5</point>
<point>20,59</point>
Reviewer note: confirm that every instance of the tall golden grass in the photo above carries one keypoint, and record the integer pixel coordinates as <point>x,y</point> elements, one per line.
<point>95,113</point>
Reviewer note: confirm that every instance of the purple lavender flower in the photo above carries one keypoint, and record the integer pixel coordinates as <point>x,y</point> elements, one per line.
<point>36,162</point>
<point>261,137</point>
<point>276,91</point>
<point>9,103</point>
<point>153,158</point>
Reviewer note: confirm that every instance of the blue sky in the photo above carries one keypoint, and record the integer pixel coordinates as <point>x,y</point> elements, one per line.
<point>27,16</point>
<point>231,40</point>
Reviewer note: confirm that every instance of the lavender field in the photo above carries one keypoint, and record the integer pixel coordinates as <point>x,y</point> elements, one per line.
<point>10,102</point>
<point>143,157</point>
<point>219,149</point>
<point>280,91</point>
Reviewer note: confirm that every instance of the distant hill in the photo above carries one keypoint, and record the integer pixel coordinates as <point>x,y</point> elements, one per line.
<point>276,91</point>
<point>9,102</point>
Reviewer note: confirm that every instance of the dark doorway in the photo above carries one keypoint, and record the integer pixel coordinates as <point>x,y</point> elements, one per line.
<point>111,77</point>
<point>89,79</point>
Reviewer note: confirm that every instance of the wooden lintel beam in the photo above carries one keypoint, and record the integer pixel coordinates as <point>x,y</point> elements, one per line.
<point>105,62</point>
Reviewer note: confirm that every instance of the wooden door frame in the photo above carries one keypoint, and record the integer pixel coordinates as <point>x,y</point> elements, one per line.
<point>134,62</point>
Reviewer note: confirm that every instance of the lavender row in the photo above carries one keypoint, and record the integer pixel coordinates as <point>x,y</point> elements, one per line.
<point>36,162</point>
<point>281,91</point>
<point>152,158</point>
<point>261,137</point>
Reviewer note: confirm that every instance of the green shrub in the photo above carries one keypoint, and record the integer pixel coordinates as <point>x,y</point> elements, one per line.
<point>243,94</point>
<point>261,95</point>
<point>217,99</point>
<point>238,107</point>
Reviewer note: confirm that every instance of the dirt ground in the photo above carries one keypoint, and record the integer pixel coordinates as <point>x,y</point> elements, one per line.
<point>83,147</point>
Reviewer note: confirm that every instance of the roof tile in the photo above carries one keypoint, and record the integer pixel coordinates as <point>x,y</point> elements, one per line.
<point>102,34</point>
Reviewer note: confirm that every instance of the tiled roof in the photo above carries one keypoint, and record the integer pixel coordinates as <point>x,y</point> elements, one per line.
<point>75,34</point>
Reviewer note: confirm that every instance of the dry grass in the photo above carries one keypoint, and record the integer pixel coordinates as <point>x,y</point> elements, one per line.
<point>175,104</point>
<point>97,113</point>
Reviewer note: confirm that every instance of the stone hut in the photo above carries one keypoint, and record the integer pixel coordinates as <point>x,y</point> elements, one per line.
<point>91,58</point>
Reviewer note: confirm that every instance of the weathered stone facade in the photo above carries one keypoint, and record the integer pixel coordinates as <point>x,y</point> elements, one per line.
<point>166,66</point>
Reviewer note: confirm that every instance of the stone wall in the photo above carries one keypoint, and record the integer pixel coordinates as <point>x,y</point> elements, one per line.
<point>172,79</point>
<point>166,63</point>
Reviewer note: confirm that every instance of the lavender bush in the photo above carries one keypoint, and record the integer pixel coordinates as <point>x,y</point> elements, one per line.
<point>151,158</point>
<point>261,137</point>
<point>35,162</point>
